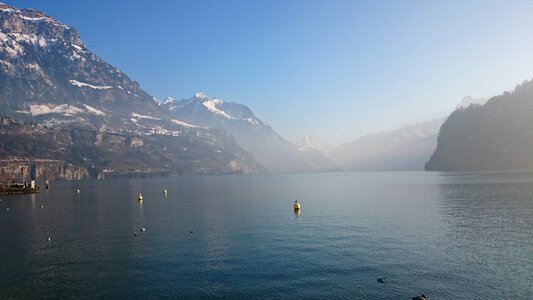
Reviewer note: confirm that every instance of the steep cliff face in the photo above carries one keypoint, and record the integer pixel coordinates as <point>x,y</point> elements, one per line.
<point>110,154</point>
<point>495,136</point>
<point>24,170</point>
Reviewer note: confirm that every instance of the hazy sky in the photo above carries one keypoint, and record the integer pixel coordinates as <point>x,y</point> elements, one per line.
<point>333,70</point>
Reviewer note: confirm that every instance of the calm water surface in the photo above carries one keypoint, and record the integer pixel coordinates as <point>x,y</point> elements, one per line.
<point>446,235</point>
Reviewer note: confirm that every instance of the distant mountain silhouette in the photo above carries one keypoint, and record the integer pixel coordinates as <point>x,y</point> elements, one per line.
<point>407,148</point>
<point>495,136</point>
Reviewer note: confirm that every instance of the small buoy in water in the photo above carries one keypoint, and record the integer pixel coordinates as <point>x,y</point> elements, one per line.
<point>49,239</point>
<point>296,205</point>
<point>143,229</point>
<point>42,206</point>
<point>165,192</point>
<point>192,231</point>
<point>135,233</point>
<point>140,197</point>
<point>381,279</point>
<point>78,190</point>
<point>7,209</point>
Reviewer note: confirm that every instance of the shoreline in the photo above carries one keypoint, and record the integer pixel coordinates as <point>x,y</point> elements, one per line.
<point>17,189</point>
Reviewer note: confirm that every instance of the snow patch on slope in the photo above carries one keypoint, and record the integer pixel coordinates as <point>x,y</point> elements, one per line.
<point>178,122</point>
<point>139,116</point>
<point>63,109</point>
<point>94,111</point>
<point>212,106</point>
<point>83,84</point>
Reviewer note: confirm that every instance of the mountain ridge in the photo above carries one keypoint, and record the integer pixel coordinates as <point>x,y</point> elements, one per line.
<point>406,148</point>
<point>273,151</point>
<point>49,78</point>
<point>496,136</point>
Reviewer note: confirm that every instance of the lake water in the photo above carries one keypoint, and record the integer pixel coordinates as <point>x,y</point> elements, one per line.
<point>445,235</point>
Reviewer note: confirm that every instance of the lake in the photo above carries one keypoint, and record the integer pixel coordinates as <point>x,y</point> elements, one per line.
<point>445,235</point>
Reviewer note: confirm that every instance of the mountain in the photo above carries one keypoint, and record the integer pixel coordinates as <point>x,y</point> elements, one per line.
<point>495,136</point>
<point>48,75</point>
<point>108,154</point>
<point>407,148</point>
<point>274,152</point>
<point>49,78</point>
<point>309,144</point>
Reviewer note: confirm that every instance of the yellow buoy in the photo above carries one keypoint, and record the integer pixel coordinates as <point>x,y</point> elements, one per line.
<point>140,197</point>
<point>296,205</point>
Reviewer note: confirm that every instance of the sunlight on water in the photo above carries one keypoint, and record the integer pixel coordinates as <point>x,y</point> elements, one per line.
<point>446,235</point>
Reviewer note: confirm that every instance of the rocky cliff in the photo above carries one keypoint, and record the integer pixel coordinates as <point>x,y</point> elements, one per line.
<point>81,153</point>
<point>25,170</point>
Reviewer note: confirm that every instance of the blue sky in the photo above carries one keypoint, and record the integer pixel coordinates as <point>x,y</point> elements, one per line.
<point>334,70</point>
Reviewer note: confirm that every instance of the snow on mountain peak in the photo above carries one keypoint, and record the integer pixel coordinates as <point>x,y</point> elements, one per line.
<point>28,14</point>
<point>169,100</point>
<point>202,107</point>
<point>212,106</point>
<point>308,144</point>
<point>200,95</point>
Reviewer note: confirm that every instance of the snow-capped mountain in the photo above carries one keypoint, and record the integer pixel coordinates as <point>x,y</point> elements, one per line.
<point>49,77</point>
<point>309,144</point>
<point>275,153</point>
<point>407,148</point>
<point>47,74</point>
<point>205,111</point>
